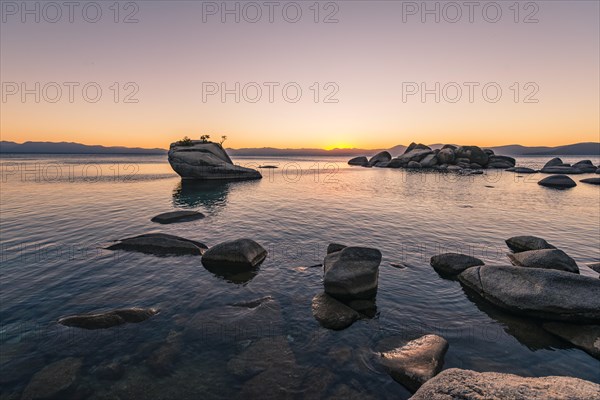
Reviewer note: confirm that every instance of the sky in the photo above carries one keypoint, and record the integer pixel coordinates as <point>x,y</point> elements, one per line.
<point>366,74</point>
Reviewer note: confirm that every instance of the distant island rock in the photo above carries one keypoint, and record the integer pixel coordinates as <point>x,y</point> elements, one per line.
<point>448,158</point>
<point>201,160</point>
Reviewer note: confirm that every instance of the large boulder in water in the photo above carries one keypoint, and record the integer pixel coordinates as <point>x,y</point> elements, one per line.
<point>585,166</point>
<point>558,182</point>
<point>446,156</point>
<point>526,243</point>
<point>473,153</point>
<point>545,258</point>
<point>160,244</point>
<point>379,158</point>
<point>352,273</point>
<point>360,161</point>
<point>418,361</point>
<point>236,254</point>
<point>455,383</point>
<point>206,161</point>
<point>453,263</point>
<point>538,293</point>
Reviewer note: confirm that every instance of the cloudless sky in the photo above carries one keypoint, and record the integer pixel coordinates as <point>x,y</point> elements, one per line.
<point>361,78</point>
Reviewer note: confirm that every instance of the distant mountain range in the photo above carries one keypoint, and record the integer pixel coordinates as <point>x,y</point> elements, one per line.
<point>589,148</point>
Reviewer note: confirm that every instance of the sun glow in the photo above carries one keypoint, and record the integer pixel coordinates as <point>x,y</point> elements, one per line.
<point>339,145</point>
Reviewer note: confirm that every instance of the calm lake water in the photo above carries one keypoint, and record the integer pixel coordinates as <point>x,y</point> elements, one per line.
<point>58,212</point>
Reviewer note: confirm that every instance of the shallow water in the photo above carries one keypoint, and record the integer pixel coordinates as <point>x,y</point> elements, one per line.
<point>58,212</point>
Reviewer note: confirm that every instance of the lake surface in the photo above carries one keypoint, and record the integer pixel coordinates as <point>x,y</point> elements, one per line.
<point>58,212</point>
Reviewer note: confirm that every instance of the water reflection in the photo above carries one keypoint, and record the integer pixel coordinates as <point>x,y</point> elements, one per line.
<point>238,276</point>
<point>211,195</point>
<point>527,331</point>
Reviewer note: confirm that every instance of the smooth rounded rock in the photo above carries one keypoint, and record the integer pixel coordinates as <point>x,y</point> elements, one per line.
<point>558,182</point>
<point>453,263</point>
<point>523,170</point>
<point>561,170</point>
<point>591,181</point>
<point>381,157</point>
<point>546,259</point>
<point>352,273</point>
<point>360,161</point>
<point>333,247</point>
<point>555,162</point>
<point>540,293</point>
<point>206,161</point>
<point>472,153</point>
<point>414,165</point>
<point>446,156</point>
<point>418,361</point>
<point>454,384</point>
<point>240,253</point>
<point>177,216</point>
<point>160,244</point>
<point>526,243</point>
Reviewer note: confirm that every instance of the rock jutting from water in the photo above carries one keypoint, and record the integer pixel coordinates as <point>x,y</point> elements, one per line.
<point>108,319</point>
<point>202,160</point>
<point>350,281</point>
<point>160,244</point>
<point>539,293</point>
<point>591,181</point>
<point>463,384</point>
<point>448,158</point>
<point>416,362</point>
<point>235,254</point>
<point>453,263</point>
<point>177,216</point>
<point>545,258</point>
<point>558,182</point>
<point>526,243</point>
<point>557,166</point>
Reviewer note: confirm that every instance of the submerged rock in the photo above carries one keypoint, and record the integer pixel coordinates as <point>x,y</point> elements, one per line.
<point>453,263</point>
<point>240,253</point>
<point>525,243</point>
<point>352,273</point>
<point>586,337</point>
<point>206,161</point>
<point>331,313</point>
<point>108,319</point>
<point>53,380</point>
<point>591,181</point>
<point>261,355</point>
<point>381,157</point>
<point>463,384</point>
<point>546,258</point>
<point>558,182</point>
<point>418,361</point>
<point>360,161</point>
<point>539,293</point>
<point>177,216</point>
<point>160,244</point>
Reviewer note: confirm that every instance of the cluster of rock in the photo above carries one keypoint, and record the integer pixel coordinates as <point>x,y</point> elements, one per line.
<point>350,283</point>
<point>557,166</point>
<point>203,160</point>
<point>448,158</point>
<point>543,282</point>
